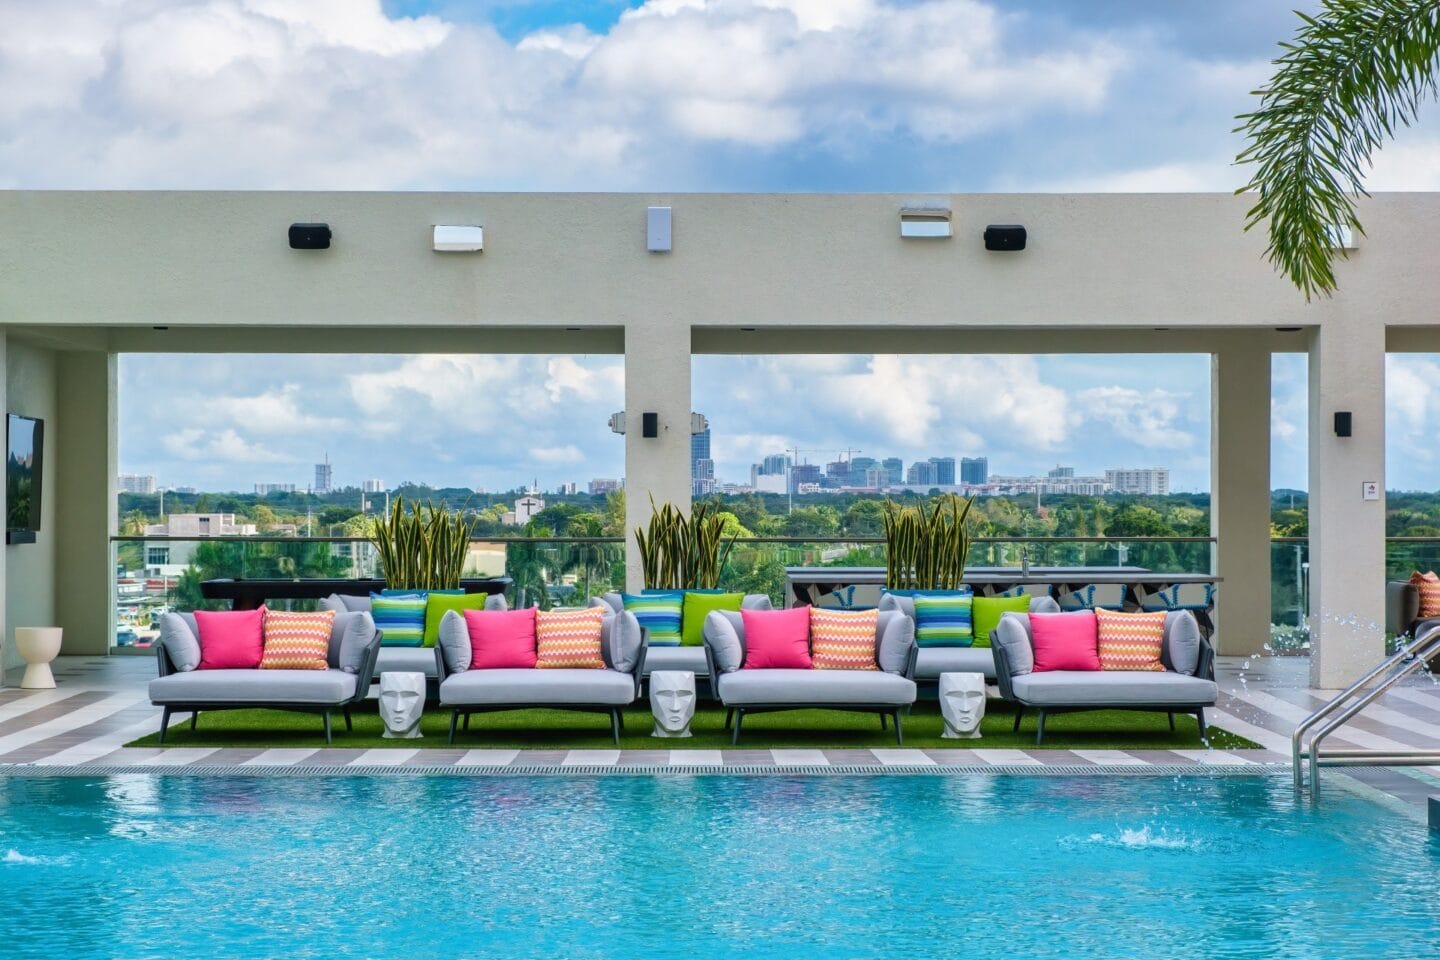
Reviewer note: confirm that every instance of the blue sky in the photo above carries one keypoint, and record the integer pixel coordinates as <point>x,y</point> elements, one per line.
<point>666,95</point>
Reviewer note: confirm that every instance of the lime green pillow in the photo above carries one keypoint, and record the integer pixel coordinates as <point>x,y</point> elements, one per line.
<point>438,604</point>
<point>987,611</point>
<point>697,607</point>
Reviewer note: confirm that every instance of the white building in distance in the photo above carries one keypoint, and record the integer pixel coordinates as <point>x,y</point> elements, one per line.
<point>1151,480</point>
<point>136,483</point>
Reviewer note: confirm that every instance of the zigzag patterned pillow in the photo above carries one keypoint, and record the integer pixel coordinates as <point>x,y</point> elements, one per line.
<point>843,639</point>
<point>1130,641</point>
<point>297,641</point>
<point>569,640</point>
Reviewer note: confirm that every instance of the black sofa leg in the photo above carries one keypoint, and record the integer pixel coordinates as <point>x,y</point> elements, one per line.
<point>615,726</point>
<point>899,729</point>
<point>349,726</point>
<point>328,739</point>
<point>1200,718</point>
<point>194,719</point>
<point>467,723</point>
<point>882,721</point>
<point>729,719</point>
<point>1172,723</point>
<point>1040,728</point>
<point>1019,713</point>
<point>164,723</point>
<point>739,719</point>
<point>620,717</point>
<point>455,718</point>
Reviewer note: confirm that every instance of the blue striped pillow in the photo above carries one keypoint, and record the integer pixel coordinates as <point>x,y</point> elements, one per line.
<point>659,613</point>
<point>944,621</point>
<point>402,618</point>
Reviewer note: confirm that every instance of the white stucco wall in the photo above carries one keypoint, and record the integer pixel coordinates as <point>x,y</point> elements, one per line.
<point>30,567</point>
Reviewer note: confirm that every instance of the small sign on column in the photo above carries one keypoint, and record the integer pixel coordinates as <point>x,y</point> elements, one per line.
<point>1370,490</point>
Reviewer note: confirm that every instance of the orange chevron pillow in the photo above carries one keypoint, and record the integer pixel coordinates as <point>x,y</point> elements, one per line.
<point>1130,641</point>
<point>843,639</point>
<point>569,639</point>
<point>297,641</point>
<point>1429,587</point>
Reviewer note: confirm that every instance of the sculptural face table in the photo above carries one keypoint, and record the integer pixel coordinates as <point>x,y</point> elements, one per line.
<point>962,705</point>
<point>402,701</point>
<point>672,702</point>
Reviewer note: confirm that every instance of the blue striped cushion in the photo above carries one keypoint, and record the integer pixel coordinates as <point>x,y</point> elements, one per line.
<point>402,618</point>
<point>659,613</point>
<point>944,621</point>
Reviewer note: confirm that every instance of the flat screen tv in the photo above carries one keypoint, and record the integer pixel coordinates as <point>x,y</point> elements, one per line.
<point>24,449</point>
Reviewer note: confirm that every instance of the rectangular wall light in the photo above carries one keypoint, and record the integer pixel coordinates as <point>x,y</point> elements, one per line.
<point>657,229</point>
<point>454,239</point>
<point>925,221</point>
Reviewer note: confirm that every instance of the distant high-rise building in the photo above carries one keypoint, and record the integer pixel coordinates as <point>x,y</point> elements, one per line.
<point>1147,480</point>
<point>266,489</point>
<point>974,470</point>
<point>921,474</point>
<point>373,485</point>
<point>700,450</point>
<point>1061,472</point>
<point>944,471</point>
<point>858,465</point>
<point>894,471</point>
<point>804,473</point>
<point>775,463</point>
<point>702,477</point>
<point>601,485</point>
<point>837,473</point>
<point>323,477</point>
<point>568,489</point>
<point>185,490</point>
<point>136,483</point>
<point>876,477</point>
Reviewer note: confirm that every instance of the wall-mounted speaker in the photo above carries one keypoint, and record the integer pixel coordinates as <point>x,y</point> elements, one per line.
<point>309,236</point>
<point>1342,423</point>
<point>650,425</point>
<point>1000,236</point>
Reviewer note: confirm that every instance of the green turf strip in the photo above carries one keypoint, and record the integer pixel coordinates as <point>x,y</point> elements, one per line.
<point>823,729</point>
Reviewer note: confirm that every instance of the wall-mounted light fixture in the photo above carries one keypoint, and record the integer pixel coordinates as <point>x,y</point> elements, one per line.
<point>1005,237</point>
<point>456,239</point>
<point>925,221</point>
<point>658,229</point>
<point>649,421</point>
<point>1342,423</point>
<point>309,236</point>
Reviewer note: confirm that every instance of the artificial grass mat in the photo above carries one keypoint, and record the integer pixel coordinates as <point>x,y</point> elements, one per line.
<point>823,729</point>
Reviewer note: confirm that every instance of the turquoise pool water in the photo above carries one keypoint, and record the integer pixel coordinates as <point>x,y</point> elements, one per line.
<point>708,867</point>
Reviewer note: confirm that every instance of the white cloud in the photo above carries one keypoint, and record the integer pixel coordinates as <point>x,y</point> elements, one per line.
<point>1149,419</point>
<point>226,447</point>
<point>270,412</point>
<point>569,453</point>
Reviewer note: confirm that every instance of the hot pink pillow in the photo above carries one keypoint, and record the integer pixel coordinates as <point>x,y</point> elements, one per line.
<point>1065,641</point>
<point>500,639</point>
<point>777,639</point>
<point>230,639</point>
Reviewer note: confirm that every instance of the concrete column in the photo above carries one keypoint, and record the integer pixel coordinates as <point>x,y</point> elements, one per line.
<point>1347,532</point>
<point>657,380</point>
<point>8,657</point>
<point>84,445</point>
<point>1240,495</point>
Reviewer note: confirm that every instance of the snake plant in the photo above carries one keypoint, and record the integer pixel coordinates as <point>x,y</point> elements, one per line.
<point>925,549</point>
<point>422,549</point>
<point>679,552</point>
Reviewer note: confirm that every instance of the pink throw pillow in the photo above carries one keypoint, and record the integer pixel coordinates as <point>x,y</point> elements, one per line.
<point>777,639</point>
<point>231,639</point>
<point>501,639</point>
<point>1065,641</point>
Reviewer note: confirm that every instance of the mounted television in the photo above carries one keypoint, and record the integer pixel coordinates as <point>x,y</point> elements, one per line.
<point>24,449</point>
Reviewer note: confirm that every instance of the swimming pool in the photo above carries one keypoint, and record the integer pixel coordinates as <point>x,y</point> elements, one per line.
<point>700,867</point>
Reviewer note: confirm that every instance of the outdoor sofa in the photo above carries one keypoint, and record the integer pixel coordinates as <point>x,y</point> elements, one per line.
<point>181,688</point>
<point>464,691</point>
<point>889,691</point>
<point>680,658</point>
<point>930,662</point>
<point>1187,684</point>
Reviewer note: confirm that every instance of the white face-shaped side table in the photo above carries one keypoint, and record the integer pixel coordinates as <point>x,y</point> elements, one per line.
<point>402,701</point>
<point>962,705</point>
<point>672,701</point>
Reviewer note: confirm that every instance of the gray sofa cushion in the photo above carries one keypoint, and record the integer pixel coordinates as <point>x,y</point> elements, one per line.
<point>345,603</point>
<point>893,601</point>
<point>1181,651</point>
<point>454,642</point>
<point>601,688</point>
<point>620,639</point>
<point>724,633</point>
<point>756,601</point>
<point>677,658</point>
<point>181,640</point>
<point>1043,603</point>
<point>1113,687</point>
<point>930,662</point>
<point>311,687</point>
<point>350,635</point>
<point>894,636</point>
<point>1013,634</point>
<point>822,687</point>
<point>407,660</point>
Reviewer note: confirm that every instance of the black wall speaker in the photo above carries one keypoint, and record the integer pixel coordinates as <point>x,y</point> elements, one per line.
<point>1002,236</point>
<point>1342,423</point>
<point>649,424</point>
<point>310,236</point>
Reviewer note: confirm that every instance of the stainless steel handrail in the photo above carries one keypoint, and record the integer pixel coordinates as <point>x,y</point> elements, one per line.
<point>1351,701</point>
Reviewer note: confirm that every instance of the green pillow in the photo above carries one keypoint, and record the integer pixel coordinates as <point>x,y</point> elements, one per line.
<point>988,611</point>
<point>697,607</point>
<point>436,605</point>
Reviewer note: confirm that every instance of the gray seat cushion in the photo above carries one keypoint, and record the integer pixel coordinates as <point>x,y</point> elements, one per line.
<point>406,660</point>
<point>1182,641</point>
<point>930,662</point>
<point>580,688</point>
<point>1060,688</point>
<point>677,658</point>
<point>317,687</point>
<point>829,687</point>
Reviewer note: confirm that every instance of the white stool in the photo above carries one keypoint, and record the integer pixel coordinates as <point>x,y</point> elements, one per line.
<point>38,646</point>
<point>962,705</point>
<point>402,701</point>
<point>672,702</point>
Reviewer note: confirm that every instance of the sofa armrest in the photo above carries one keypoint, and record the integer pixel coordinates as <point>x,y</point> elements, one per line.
<point>1003,670</point>
<point>162,660</point>
<point>1205,663</point>
<point>639,673</point>
<point>1402,607</point>
<point>366,676</point>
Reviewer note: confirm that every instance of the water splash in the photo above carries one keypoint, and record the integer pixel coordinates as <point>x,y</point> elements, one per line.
<point>15,856</point>
<point>1145,838</point>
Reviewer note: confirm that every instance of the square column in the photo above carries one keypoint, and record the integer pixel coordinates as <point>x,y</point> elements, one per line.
<point>657,380</point>
<point>1347,532</point>
<point>1240,496</point>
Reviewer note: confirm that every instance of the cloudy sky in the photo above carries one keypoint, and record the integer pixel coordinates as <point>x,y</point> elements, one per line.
<point>669,95</point>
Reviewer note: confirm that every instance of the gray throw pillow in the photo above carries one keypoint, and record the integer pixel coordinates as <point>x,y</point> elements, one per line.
<point>892,601</point>
<point>1013,634</point>
<point>181,641</point>
<point>620,641</point>
<point>334,604</point>
<point>614,601</point>
<point>348,603</point>
<point>724,633</point>
<point>1181,651</point>
<point>496,601</point>
<point>895,635</point>
<point>455,642</point>
<point>1044,604</point>
<point>359,634</point>
<point>756,601</point>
